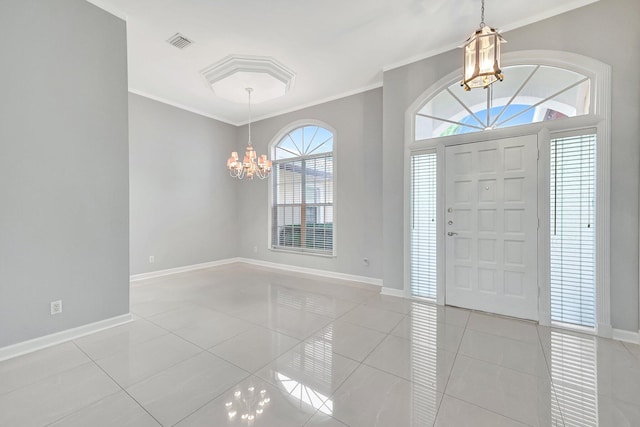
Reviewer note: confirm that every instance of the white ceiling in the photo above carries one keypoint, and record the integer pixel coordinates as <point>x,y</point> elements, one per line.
<point>335,47</point>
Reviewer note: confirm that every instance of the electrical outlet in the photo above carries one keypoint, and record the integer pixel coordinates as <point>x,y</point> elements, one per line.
<point>255,249</point>
<point>56,307</point>
<point>152,259</point>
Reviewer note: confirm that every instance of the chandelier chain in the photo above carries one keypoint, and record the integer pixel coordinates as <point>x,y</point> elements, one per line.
<point>249,90</point>
<point>482,24</point>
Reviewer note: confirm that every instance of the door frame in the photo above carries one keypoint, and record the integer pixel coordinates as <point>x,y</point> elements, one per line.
<point>599,118</point>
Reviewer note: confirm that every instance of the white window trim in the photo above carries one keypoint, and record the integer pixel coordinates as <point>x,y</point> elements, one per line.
<point>272,144</point>
<point>599,117</point>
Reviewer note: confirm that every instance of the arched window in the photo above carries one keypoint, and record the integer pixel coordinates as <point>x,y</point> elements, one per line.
<point>303,186</point>
<point>531,94</point>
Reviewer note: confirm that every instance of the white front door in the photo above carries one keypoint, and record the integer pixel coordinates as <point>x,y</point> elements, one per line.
<point>491,223</point>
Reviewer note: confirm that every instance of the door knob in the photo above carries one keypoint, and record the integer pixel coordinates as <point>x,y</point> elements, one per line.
<point>451,233</point>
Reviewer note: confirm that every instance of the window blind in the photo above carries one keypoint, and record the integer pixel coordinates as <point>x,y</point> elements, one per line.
<point>423,225</point>
<point>302,216</point>
<point>573,226</point>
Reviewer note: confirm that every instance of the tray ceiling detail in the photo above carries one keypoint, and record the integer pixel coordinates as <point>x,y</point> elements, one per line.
<point>230,77</point>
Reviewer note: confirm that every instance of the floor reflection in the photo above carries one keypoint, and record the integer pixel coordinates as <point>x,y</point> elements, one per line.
<point>311,352</point>
<point>574,376</point>
<point>305,394</point>
<point>248,404</point>
<point>309,302</point>
<point>305,374</point>
<point>424,363</point>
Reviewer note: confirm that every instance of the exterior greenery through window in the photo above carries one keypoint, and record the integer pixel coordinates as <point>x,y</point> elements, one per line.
<point>302,179</point>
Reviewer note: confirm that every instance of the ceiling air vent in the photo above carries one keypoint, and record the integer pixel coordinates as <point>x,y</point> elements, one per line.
<point>180,41</point>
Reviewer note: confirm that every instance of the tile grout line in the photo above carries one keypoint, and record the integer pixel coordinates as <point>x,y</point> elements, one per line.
<point>167,368</point>
<point>360,363</point>
<point>254,373</point>
<point>257,324</point>
<point>503,367</point>
<point>6,393</point>
<point>491,411</point>
<point>202,350</point>
<point>221,393</point>
<point>211,400</point>
<point>491,362</point>
<point>551,382</point>
<point>453,365</point>
<point>117,383</point>
<point>169,331</point>
<point>463,400</point>
<point>85,407</point>
<point>249,374</point>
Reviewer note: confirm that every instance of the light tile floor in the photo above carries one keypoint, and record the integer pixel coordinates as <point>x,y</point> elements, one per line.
<point>242,346</point>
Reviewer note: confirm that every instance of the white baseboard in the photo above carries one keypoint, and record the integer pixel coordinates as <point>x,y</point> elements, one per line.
<point>25,347</point>
<point>393,292</point>
<point>628,336</point>
<point>324,273</point>
<point>605,330</point>
<point>292,268</point>
<point>169,271</point>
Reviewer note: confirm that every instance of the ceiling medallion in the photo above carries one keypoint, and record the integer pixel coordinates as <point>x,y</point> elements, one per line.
<point>228,78</point>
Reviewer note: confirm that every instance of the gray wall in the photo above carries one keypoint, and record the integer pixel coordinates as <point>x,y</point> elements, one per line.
<point>64,213</point>
<point>608,31</point>
<point>183,201</point>
<point>358,124</point>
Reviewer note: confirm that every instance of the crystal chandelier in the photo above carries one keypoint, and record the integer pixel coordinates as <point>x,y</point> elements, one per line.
<point>482,57</point>
<point>252,165</point>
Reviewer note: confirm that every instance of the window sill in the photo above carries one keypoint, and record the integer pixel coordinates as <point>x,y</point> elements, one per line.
<point>304,252</point>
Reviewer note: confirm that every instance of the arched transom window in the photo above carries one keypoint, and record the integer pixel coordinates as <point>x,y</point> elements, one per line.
<point>302,199</point>
<point>528,94</point>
